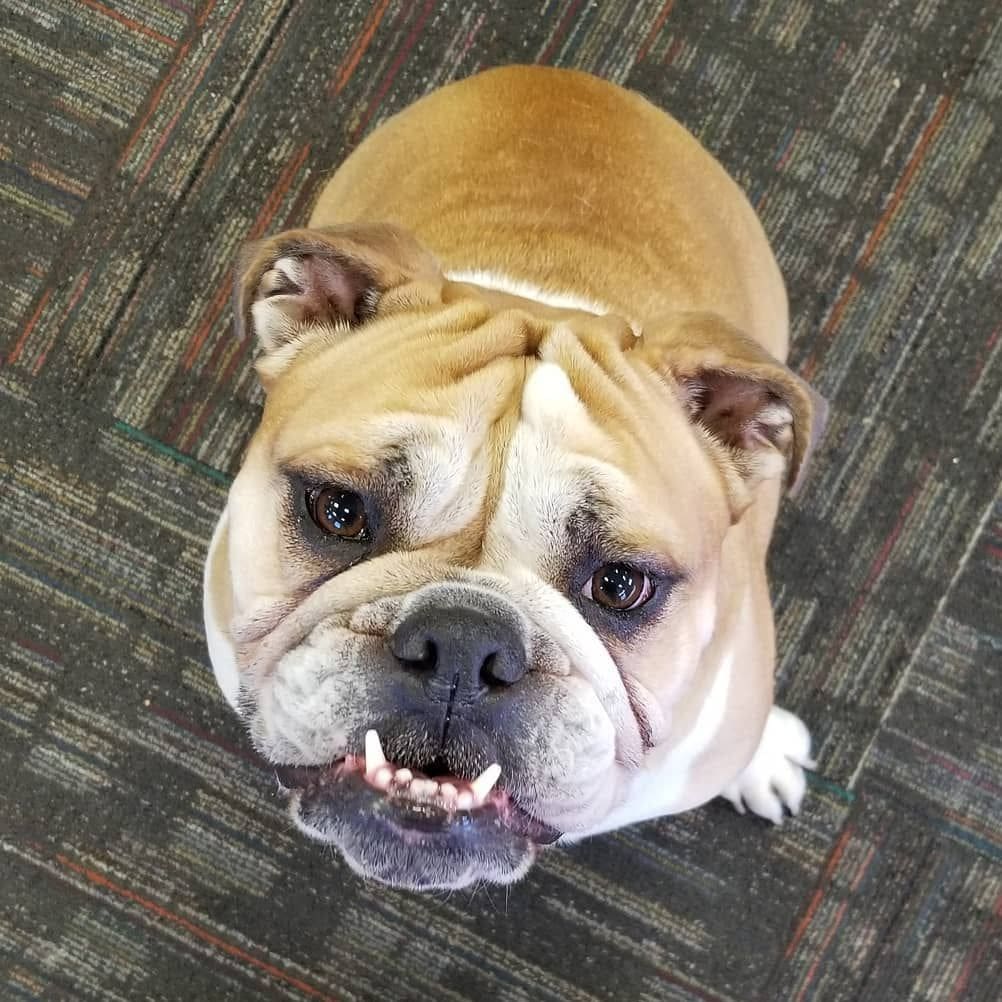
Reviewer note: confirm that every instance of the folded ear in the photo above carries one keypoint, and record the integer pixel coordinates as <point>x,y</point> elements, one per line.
<point>761,420</point>
<point>332,278</point>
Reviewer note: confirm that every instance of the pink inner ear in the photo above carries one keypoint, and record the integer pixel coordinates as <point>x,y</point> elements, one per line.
<point>729,406</point>
<point>317,287</point>
<point>333,287</point>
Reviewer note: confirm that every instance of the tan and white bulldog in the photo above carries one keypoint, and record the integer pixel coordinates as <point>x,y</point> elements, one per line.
<point>492,574</point>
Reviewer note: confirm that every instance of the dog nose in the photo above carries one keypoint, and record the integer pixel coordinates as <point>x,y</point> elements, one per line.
<point>464,652</point>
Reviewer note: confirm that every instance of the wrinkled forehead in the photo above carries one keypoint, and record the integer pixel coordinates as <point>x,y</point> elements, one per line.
<point>517,450</point>
<point>572,489</point>
<point>428,451</point>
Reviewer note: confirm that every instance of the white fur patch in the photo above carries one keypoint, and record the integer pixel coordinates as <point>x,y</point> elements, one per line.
<point>589,659</point>
<point>220,648</point>
<point>529,290</point>
<point>284,271</point>
<point>543,479</point>
<point>665,774</point>
<point>448,473</point>
<point>544,472</point>
<point>774,778</point>
<point>273,324</point>
<point>549,399</point>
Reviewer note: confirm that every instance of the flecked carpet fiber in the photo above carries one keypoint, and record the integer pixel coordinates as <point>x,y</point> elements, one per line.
<point>146,854</point>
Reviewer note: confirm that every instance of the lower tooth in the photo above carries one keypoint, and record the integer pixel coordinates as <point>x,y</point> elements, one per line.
<point>464,800</point>
<point>382,778</point>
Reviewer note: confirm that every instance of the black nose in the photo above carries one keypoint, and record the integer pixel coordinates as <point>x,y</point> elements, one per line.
<point>463,652</point>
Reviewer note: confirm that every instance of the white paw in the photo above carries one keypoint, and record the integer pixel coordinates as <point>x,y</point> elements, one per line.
<point>774,778</point>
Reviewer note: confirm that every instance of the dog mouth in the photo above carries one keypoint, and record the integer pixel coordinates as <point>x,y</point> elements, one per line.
<point>409,828</point>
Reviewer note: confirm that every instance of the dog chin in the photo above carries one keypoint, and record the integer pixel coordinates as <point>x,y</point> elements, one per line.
<point>414,862</point>
<point>417,840</point>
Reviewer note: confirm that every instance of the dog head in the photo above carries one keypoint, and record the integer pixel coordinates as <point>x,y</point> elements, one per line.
<point>473,553</point>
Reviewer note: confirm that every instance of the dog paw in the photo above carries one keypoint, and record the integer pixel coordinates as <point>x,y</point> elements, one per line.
<point>774,779</point>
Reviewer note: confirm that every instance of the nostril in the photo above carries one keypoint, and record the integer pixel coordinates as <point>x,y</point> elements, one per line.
<point>487,669</point>
<point>416,650</point>
<point>462,652</point>
<point>499,668</point>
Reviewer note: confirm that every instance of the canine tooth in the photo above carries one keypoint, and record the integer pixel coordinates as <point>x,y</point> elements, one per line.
<point>464,800</point>
<point>374,757</point>
<point>403,776</point>
<point>484,783</point>
<point>382,777</point>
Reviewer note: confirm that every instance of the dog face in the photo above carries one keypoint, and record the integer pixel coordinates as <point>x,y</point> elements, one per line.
<point>474,547</point>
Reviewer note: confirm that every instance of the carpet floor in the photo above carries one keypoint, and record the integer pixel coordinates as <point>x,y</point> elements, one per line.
<point>146,854</point>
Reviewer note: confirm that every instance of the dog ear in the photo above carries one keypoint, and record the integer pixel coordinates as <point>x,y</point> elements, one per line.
<point>334,278</point>
<point>760,419</point>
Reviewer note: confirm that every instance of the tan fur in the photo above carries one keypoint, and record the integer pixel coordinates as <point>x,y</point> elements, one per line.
<point>634,212</point>
<point>689,242</point>
<point>507,403</point>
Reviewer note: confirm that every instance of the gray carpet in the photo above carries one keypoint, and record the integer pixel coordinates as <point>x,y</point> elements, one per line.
<point>146,854</point>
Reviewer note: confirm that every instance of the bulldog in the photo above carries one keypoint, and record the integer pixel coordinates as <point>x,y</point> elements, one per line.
<point>492,573</point>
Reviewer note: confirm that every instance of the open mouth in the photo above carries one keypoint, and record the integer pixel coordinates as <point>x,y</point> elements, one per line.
<point>389,817</point>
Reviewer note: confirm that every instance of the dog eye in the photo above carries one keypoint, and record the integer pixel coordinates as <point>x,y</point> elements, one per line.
<point>620,587</point>
<point>338,512</point>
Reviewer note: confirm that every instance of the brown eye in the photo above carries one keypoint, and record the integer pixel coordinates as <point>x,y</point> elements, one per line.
<point>619,586</point>
<point>338,512</point>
